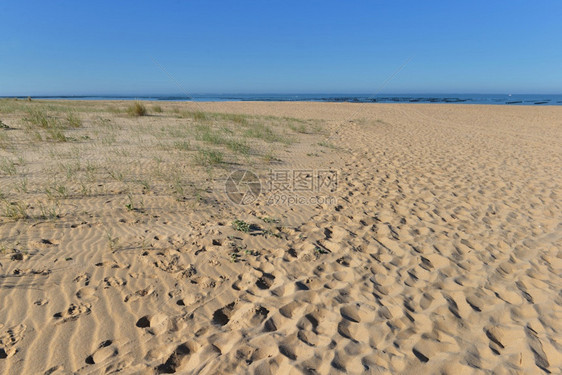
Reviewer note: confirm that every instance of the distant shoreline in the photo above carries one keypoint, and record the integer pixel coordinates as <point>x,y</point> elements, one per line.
<point>494,99</point>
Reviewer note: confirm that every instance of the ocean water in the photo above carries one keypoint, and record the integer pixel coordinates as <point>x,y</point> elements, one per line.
<point>498,99</point>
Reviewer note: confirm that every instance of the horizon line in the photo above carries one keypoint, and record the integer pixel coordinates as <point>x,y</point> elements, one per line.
<point>178,95</point>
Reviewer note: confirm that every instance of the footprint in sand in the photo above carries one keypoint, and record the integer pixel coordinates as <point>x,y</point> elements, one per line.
<point>154,324</point>
<point>265,281</point>
<point>139,294</point>
<point>19,257</point>
<point>291,309</point>
<point>105,350</point>
<point>30,271</point>
<point>83,277</point>
<point>176,359</point>
<point>113,264</point>
<point>86,293</point>
<point>43,243</point>
<point>73,312</point>
<point>111,281</point>
<point>222,316</point>
<point>243,281</point>
<point>259,315</point>
<point>9,338</point>
<point>536,346</point>
<point>357,313</point>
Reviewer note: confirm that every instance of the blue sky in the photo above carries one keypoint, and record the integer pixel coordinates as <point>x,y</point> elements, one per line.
<point>108,47</point>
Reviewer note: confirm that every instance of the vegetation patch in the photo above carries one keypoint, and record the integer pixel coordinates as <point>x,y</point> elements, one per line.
<point>137,109</point>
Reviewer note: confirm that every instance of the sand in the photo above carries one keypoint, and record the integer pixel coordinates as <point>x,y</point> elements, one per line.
<point>440,251</point>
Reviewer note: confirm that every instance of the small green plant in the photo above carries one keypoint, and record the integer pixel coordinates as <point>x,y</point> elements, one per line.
<point>49,212</point>
<point>208,157</point>
<point>264,132</point>
<point>137,109</point>
<point>157,109</point>
<point>251,252</point>
<point>85,189</point>
<point>234,257</point>
<point>182,145</point>
<point>206,134</point>
<point>298,128</point>
<point>318,250</point>
<point>57,190</point>
<point>178,187</point>
<point>100,121</point>
<point>269,157</point>
<point>131,206</point>
<point>39,118</point>
<point>16,210</point>
<point>116,175</point>
<point>73,120</point>
<point>196,115</point>
<point>209,135</point>
<point>4,140</point>
<point>269,232</point>
<point>238,146</point>
<point>23,187</point>
<point>328,145</point>
<point>270,220</point>
<point>8,167</point>
<point>56,135</point>
<point>145,185</point>
<point>113,109</point>
<point>241,226</point>
<point>71,169</point>
<point>239,119</point>
<point>91,170</point>
<point>108,139</point>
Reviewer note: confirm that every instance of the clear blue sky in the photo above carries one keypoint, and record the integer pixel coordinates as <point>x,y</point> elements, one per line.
<point>107,47</point>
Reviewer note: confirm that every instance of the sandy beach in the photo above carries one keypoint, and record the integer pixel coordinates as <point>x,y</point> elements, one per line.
<point>385,239</point>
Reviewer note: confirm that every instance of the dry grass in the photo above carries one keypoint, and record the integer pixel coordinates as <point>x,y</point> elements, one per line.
<point>137,109</point>
<point>95,149</point>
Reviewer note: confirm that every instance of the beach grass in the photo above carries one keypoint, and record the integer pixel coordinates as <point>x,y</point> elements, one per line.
<point>88,149</point>
<point>137,109</point>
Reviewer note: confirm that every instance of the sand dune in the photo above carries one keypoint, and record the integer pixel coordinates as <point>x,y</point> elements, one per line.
<point>441,253</point>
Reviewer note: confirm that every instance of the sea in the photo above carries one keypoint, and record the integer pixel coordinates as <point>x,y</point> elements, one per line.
<point>494,99</point>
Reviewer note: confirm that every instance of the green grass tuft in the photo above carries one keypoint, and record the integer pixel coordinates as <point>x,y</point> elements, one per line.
<point>182,146</point>
<point>208,157</point>
<point>39,118</point>
<point>73,120</point>
<point>264,132</point>
<point>137,109</point>
<point>328,145</point>
<point>241,226</point>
